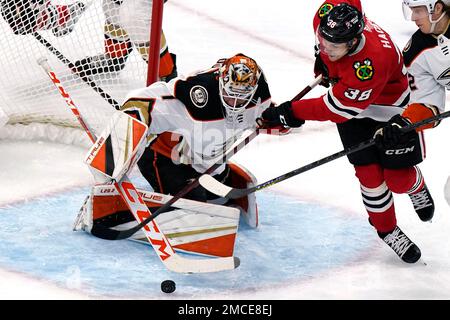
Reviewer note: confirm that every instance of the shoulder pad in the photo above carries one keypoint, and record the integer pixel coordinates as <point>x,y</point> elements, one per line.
<point>418,42</point>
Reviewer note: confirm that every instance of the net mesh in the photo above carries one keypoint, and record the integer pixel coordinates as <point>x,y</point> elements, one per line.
<point>89,44</point>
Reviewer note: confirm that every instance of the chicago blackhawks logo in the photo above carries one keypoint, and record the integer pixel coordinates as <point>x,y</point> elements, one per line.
<point>324,9</point>
<point>364,71</point>
<point>199,96</point>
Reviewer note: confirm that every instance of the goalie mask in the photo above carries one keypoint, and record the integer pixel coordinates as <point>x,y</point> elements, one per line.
<point>238,81</point>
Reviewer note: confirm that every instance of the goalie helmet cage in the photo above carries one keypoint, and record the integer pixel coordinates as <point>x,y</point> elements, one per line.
<point>28,97</point>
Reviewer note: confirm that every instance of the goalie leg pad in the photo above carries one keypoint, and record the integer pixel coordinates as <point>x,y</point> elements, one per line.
<point>240,177</point>
<point>191,226</point>
<point>118,148</point>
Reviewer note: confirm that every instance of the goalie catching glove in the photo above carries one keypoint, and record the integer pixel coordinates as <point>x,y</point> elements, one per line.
<point>281,115</point>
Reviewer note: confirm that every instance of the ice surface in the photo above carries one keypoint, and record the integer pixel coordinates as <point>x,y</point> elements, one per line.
<point>314,241</point>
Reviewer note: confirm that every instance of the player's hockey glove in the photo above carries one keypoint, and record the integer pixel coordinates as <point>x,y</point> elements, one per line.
<point>390,135</point>
<point>320,68</point>
<point>281,115</point>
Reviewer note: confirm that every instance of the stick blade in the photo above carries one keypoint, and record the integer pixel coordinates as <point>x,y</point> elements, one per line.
<point>176,263</point>
<point>214,186</point>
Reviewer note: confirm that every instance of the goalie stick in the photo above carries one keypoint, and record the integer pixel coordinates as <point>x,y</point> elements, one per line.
<point>106,233</point>
<point>132,198</point>
<point>220,189</point>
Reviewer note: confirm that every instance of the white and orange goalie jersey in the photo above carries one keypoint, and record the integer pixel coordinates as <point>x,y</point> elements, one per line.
<point>187,116</point>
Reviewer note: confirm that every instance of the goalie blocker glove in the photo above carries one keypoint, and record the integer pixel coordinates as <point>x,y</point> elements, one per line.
<point>281,115</point>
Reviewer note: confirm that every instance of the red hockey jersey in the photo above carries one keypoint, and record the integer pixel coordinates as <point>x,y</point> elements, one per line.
<point>371,81</point>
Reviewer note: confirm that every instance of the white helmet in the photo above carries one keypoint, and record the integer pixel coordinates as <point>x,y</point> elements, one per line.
<point>238,81</point>
<point>429,4</point>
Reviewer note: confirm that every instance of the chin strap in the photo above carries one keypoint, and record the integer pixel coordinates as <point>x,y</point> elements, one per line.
<point>435,22</point>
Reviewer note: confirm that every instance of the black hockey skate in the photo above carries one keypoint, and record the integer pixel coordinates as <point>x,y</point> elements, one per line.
<point>75,11</point>
<point>423,203</point>
<point>401,244</point>
<point>100,64</point>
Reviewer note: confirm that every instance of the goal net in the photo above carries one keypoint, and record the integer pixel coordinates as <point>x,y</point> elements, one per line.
<point>97,48</point>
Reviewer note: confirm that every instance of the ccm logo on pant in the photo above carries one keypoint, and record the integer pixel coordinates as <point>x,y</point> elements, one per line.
<point>399,151</point>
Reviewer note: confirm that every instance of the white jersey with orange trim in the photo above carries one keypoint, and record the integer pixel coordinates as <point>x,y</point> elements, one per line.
<point>190,110</point>
<point>427,58</point>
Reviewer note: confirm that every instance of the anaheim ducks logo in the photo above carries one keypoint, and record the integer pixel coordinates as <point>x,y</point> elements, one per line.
<point>445,75</point>
<point>364,71</point>
<point>408,46</point>
<point>324,9</point>
<point>199,96</point>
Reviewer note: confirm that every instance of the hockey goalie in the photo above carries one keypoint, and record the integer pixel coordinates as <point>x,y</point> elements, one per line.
<point>191,226</point>
<point>179,150</point>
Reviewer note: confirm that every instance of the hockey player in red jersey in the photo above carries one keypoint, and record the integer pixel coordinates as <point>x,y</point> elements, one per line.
<point>28,16</point>
<point>369,89</point>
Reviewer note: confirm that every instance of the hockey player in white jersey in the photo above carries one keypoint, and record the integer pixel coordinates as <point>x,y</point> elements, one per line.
<point>28,16</point>
<point>427,58</point>
<point>192,121</point>
<point>196,119</point>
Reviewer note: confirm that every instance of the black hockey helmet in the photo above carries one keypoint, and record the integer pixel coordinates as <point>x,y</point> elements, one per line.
<point>342,24</point>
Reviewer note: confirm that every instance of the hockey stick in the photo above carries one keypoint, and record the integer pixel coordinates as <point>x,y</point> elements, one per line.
<point>103,232</point>
<point>106,233</point>
<point>136,205</point>
<point>72,68</point>
<point>308,88</point>
<point>218,188</point>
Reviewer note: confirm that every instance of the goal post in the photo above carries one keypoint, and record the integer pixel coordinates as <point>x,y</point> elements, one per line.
<point>102,43</point>
<point>155,40</point>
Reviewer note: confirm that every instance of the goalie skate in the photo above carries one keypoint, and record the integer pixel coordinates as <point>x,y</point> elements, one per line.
<point>100,64</point>
<point>83,221</point>
<point>240,177</point>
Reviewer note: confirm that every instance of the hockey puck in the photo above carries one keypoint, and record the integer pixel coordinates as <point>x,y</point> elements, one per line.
<point>168,286</point>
